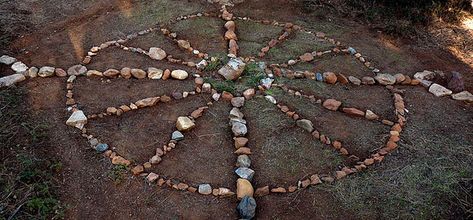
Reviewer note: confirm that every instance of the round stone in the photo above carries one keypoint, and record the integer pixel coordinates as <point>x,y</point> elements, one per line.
<point>101,147</point>
<point>76,70</point>
<point>179,74</point>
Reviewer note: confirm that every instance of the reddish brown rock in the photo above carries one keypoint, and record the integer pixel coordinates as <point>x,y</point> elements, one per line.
<point>262,191</point>
<point>330,77</point>
<point>342,78</point>
<point>292,189</point>
<point>240,142</point>
<point>307,57</point>
<point>354,112</point>
<point>314,179</point>
<point>137,170</point>
<point>278,190</point>
<point>243,150</point>
<point>332,104</point>
<point>369,161</point>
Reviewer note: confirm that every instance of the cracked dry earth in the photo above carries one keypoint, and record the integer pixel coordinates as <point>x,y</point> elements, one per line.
<point>219,115</point>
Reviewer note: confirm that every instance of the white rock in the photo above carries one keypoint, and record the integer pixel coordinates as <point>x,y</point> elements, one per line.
<point>233,69</point>
<point>271,99</point>
<point>11,79</point>
<point>184,123</point>
<point>8,60</point>
<point>439,90</point>
<point>179,74</point>
<point>157,53</point>
<point>46,71</point>
<point>463,96</point>
<point>202,64</point>
<point>216,96</point>
<point>33,72</point>
<point>77,119</point>
<point>19,67</point>
<point>425,75</point>
<point>154,73</point>
<point>385,79</point>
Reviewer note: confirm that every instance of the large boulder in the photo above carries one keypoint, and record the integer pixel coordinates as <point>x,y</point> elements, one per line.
<point>233,69</point>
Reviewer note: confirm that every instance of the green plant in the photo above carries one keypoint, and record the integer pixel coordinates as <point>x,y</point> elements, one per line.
<point>117,173</point>
<point>220,86</point>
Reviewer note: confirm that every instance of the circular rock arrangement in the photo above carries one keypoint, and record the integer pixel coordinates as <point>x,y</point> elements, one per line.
<point>246,190</point>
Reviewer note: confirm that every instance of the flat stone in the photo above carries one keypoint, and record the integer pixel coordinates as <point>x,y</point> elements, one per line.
<point>385,79</point>
<point>152,177</point>
<point>400,78</point>
<point>371,115</point>
<point>8,60</point>
<point>179,74</point>
<point>119,160</point>
<point>332,104</point>
<point>239,129</point>
<point>249,93</point>
<point>245,173</point>
<point>238,102</point>
<point>368,80</point>
<point>157,53</point>
<point>137,170</point>
<point>278,190</point>
<point>184,44</point>
<point>307,57</point>
<point>243,150</point>
<point>155,73</point>
<point>354,112</point>
<point>314,179</point>
<point>243,161</point>
<point>233,69</point>
<point>177,135</point>
<point>138,73</point>
<point>439,90</point>
<point>94,73</point>
<point>240,142</point>
<point>111,73</point>
<point>354,80</point>
<point>19,67</point>
<point>463,96</point>
<point>46,71</point>
<point>60,72</point>
<point>262,191</point>
<point>184,123</point>
<point>425,75</point>
<point>247,208</point>
<point>205,189</point>
<point>244,188</point>
<point>342,78</point>
<point>147,102</point>
<point>11,79</point>
<point>305,124</point>
<point>77,70</point>
<point>77,119</point>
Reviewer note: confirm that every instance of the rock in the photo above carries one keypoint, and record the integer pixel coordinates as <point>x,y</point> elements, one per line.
<point>456,83</point>
<point>262,191</point>
<point>166,74</point>
<point>371,115</point>
<point>425,75</point>
<point>354,112</point>
<point>439,90</point>
<point>202,64</point>
<point>400,78</point>
<point>307,57</point>
<point>245,173</point>
<point>19,67</point>
<point>267,83</point>
<point>352,50</point>
<point>138,73</point>
<point>157,53</point>
<point>222,192</point>
<point>179,74</point>
<point>76,70</point>
<point>342,78</point>
<point>233,47</point>
<point>247,208</point>
<point>332,104</point>
<point>249,93</point>
<point>46,71</point>
<point>125,72</point>
<point>238,102</point>
<point>330,77</point>
<point>147,102</point>
<point>118,160</point>
<point>205,189</point>
<point>278,190</point>
<point>243,161</point>
<point>305,124</point>
<point>152,177</point>
<point>71,79</point>
<point>198,112</point>
<point>354,80</point>
<point>426,83</point>
<point>230,35</point>
<point>271,99</point>
<point>385,79</point>
<point>314,179</point>
<point>463,96</point>
<point>184,44</point>
<point>154,73</point>
<point>33,72</point>
<point>177,136</point>
<point>243,150</point>
<point>184,123</point>
<point>240,142</point>
<point>230,25</point>
<point>233,69</point>
<point>60,72</point>
<point>94,73</point>
<point>319,77</point>
<point>155,159</point>
<point>11,79</point>
<point>101,147</point>
<point>239,129</point>
<point>110,73</point>
<point>77,119</point>
<point>227,96</point>
<point>137,170</point>
<point>7,60</point>
<point>367,80</point>
<point>235,113</point>
<point>206,88</point>
<point>244,188</point>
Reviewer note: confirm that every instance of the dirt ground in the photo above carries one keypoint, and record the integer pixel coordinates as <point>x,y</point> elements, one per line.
<point>437,144</point>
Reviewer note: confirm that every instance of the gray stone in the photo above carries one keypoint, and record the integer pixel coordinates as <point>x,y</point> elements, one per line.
<point>439,90</point>
<point>93,142</point>
<point>236,113</point>
<point>233,69</point>
<point>157,53</point>
<point>385,79</point>
<point>368,80</point>
<point>101,147</point>
<point>243,161</point>
<point>205,189</point>
<point>33,72</point>
<point>463,96</point>
<point>238,102</point>
<point>76,70</point>
<point>239,129</point>
<point>19,67</point>
<point>77,119</point>
<point>11,79</point>
<point>425,83</point>
<point>8,60</point>
<point>425,75</point>
<point>247,208</point>
<point>177,135</point>
<point>305,124</point>
<point>354,80</point>
<point>245,173</point>
<point>46,71</point>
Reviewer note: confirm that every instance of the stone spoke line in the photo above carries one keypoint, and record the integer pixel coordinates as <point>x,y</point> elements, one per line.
<point>245,190</point>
